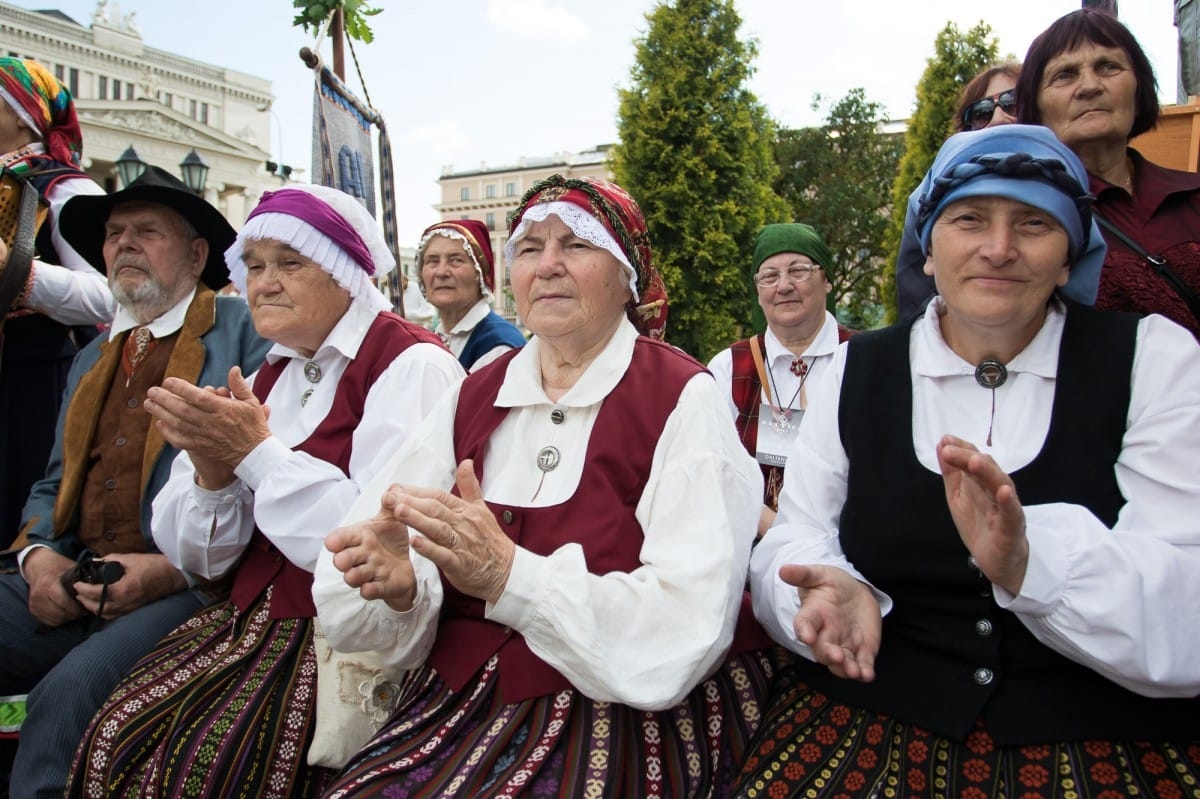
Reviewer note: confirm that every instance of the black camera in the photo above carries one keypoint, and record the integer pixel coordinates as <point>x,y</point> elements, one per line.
<point>95,571</point>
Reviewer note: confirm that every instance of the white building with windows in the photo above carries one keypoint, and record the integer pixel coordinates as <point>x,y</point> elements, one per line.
<point>164,106</point>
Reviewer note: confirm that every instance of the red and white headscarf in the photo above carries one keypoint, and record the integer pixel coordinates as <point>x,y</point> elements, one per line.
<point>604,214</point>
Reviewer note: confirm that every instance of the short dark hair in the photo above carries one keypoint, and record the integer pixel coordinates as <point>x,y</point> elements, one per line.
<point>1097,27</point>
<point>976,89</point>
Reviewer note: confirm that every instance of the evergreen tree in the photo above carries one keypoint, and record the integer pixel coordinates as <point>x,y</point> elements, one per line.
<point>695,151</point>
<point>957,58</point>
<point>838,178</point>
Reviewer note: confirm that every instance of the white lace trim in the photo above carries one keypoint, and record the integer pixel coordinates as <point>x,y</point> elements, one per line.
<point>582,224</point>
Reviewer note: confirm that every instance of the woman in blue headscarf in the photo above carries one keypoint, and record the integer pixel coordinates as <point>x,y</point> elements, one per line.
<point>992,582</point>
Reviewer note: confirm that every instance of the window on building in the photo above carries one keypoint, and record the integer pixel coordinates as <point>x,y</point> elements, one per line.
<point>193,109</point>
<point>60,72</point>
<point>128,90</point>
<point>489,190</point>
<point>73,81</point>
<point>116,89</point>
<point>102,88</point>
<point>464,193</point>
<point>168,99</point>
<point>510,189</point>
<point>204,113</point>
<point>490,220</point>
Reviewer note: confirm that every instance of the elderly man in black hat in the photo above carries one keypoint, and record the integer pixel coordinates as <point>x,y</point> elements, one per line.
<point>86,592</point>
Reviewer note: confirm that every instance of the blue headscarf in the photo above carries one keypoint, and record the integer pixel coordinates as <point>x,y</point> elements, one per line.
<point>1026,163</point>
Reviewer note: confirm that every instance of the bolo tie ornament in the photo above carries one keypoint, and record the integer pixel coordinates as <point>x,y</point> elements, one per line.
<point>991,374</point>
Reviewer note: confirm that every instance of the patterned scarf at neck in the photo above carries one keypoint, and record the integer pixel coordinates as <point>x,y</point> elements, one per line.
<point>21,159</point>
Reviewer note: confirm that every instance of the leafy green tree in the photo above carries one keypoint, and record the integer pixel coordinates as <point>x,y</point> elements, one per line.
<point>957,58</point>
<point>838,178</point>
<point>695,151</point>
<point>354,16</point>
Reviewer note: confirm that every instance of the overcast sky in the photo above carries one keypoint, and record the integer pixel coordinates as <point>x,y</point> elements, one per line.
<point>472,82</point>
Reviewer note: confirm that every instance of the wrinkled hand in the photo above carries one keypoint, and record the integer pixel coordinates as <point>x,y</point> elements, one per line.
<point>373,556</point>
<point>148,578</point>
<point>217,428</point>
<point>459,534</point>
<point>49,602</point>
<point>989,517</point>
<point>839,619</point>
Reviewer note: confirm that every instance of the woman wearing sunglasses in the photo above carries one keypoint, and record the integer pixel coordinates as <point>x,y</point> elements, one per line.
<point>989,99</point>
<point>1087,79</point>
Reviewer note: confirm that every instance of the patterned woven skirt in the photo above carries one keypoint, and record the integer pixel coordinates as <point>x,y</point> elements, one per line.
<point>813,746</point>
<point>442,744</point>
<point>223,707</point>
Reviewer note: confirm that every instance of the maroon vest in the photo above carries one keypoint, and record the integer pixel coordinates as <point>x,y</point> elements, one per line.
<point>599,516</point>
<point>263,564</point>
<point>747,398</point>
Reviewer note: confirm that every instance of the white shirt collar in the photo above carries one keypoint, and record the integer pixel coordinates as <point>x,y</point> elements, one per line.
<point>523,380</point>
<point>163,326</point>
<point>345,338</point>
<point>825,342</point>
<point>934,358</point>
<point>474,316</point>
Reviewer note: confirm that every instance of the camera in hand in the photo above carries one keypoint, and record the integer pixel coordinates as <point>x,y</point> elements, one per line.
<point>95,571</point>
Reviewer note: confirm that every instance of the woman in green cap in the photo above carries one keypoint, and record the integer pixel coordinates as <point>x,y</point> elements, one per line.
<point>763,377</point>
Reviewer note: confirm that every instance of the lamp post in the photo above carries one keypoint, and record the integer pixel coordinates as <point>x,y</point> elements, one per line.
<point>194,171</point>
<point>130,167</point>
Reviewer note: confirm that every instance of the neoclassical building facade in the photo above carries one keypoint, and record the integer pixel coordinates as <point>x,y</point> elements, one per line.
<point>164,106</point>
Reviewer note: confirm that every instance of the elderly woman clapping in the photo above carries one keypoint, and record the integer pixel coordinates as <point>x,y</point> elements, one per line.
<point>994,602</point>
<point>562,558</point>
<point>226,703</point>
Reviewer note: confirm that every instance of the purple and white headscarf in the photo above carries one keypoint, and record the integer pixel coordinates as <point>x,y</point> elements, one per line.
<point>327,226</point>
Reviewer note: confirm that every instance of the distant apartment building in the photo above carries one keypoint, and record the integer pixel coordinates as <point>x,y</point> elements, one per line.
<point>490,193</point>
<point>164,106</point>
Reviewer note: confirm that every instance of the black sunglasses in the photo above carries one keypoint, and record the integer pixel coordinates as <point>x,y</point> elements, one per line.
<point>979,113</point>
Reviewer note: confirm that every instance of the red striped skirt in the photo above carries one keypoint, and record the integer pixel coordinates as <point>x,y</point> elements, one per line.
<point>223,707</point>
<point>470,744</point>
<point>813,746</point>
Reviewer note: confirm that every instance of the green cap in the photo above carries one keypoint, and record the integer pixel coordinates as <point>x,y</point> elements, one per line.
<point>792,237</point>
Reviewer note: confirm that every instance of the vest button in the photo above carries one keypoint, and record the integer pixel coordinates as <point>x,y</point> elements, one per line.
<point>983,628</point>
<point>131,403</point>
<point>121,441</point>
<point>507,516</point>
<point>110,484</point>
<point>984,676</point>
<point>507,631</point>
<point>110,535</point>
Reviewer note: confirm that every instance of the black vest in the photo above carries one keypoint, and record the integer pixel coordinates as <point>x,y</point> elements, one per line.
<point>951,656</point>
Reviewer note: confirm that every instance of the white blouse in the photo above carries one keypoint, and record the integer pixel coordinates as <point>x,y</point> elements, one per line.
<point>1124,602</point>
<point>294,498</point>
<point>75,293</point>
<point>786,384</point>
<point>662,627</point>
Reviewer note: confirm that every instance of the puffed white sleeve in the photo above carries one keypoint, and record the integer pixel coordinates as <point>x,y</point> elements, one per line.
<point>75,293</point>
<point>353,624</point>
<point>806,528</point>
<point>668,623</point>
<point>721,368</point>
<point>1125,602</point>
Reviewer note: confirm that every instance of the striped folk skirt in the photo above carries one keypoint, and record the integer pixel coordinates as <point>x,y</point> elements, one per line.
<point>469,744</point>
<point>813,746</point>
<point>223,707</point>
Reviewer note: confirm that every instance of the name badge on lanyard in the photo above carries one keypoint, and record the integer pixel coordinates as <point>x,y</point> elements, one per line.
<point>777,430</point>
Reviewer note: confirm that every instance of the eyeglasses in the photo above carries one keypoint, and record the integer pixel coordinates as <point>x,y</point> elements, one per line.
<point>979,113</point>
<point>796,274</point>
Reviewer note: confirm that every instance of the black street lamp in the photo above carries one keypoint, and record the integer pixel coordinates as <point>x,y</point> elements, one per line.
<point>194,171</point>
<point>130,167</point>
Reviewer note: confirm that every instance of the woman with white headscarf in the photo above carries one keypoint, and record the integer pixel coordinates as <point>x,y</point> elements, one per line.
<point>225,705</point>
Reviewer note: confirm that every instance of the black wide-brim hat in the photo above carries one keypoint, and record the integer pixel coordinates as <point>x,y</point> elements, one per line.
<point>81,221</point>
